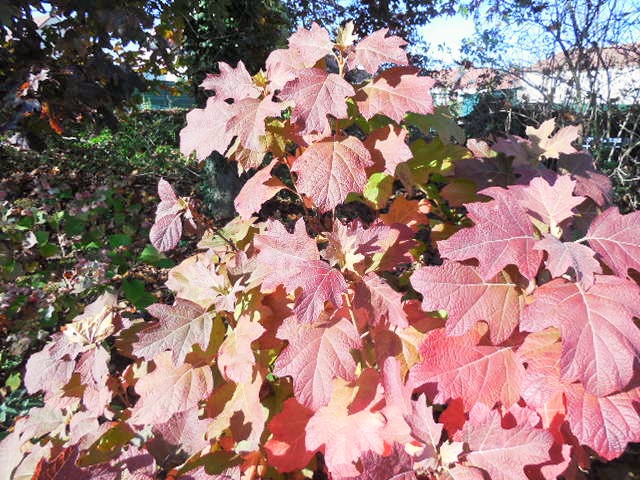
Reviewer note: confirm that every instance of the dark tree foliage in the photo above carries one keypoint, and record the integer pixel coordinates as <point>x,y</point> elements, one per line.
<point>74,60</point>
<point>230,30</point>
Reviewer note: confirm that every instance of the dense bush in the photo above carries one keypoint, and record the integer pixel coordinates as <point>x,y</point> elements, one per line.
<point>412,308</point>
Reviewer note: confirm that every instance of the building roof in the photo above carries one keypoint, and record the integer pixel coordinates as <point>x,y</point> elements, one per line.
<point>473,79</point>
<point>619,56</point>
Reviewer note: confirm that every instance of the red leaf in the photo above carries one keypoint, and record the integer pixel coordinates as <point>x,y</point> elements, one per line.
<point>180,327</point>
<point>319,283</point>
<point>469,299</point>
<point>166,231</point>
<point>287,450</point>
<point>317,354</point>
<point>317,94</point>
<point>257,190</point>
<point>329,170</point>
<point>502,235</point>
<point>283,253</point>
<point>388,148</point>
<point>396,92</point>
<point>617,239</point>
<point>502,453</point>
<point>235,357</point>
<point>234,83</point>
<point>379,300</point>
<point>168,390</point>
<point>61,467</point>
<point>458,367</point>
<point>453,417</point>
<point>570,255</point>
<point>600,342</point>
<point>606,424</point>
<point>248,117</point>
<point>206,129</point>
<point>377,49</point>
<point>311,45</point>
<point>343,432</point>
<point>550,203</point>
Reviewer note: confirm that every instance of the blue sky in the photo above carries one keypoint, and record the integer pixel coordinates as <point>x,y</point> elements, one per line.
<point>445,35</point>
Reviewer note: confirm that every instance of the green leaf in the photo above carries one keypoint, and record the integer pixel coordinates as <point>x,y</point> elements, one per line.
<point>441,121</point>
<point>119,240</point>
<point>134,291</point>
<point>153,257</point>
<point>14,381</point>
<point>378,189</point>
<point>49,250</point>
<point>432,158</point>
<point>42,238</point>
<point>74,225</point>
<point>25,223</point>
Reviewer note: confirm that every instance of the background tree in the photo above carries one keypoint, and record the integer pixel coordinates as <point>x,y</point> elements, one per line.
<point>75,60</point>
<point>401,17</point>
<point>230,30</point>
<point>581,59</point>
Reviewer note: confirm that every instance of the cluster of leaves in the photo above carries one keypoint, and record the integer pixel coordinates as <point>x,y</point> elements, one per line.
<point>425,343</point>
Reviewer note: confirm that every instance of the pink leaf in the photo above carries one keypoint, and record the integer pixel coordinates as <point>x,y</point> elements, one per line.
<point>319,283</point>
<point>458,367</point>
<point>467,298</point>
<point>51,368</point>
<point>235,357</point>
<point>616,238</point>
<point>600,341</point>
<point>570,255</point>
<point>378,49</point>
<point>503,453</point>
<point>588,182</point>
<point>317,354</point>
<point>317,94</point>
<point>248,117</point>
<point>388,148</point>
<point>257,190</point>
<point>283,253</point>
<point>329,170</point>
<point>185,430</point>
<point>166,193</point>
<point>206,129</point>
<point>168,390</point>
<point>166,231</point>
<point>396,92</point>
<point>606,424</point>
<point>376,297</point>
<point>343,432</point>
<point>234,83</point>
<point>502,235</point>
<point>180,327</point>
<point>550,203</point>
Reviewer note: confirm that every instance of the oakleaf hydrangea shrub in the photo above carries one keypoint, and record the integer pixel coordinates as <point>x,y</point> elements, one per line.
<point>480,324</point>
